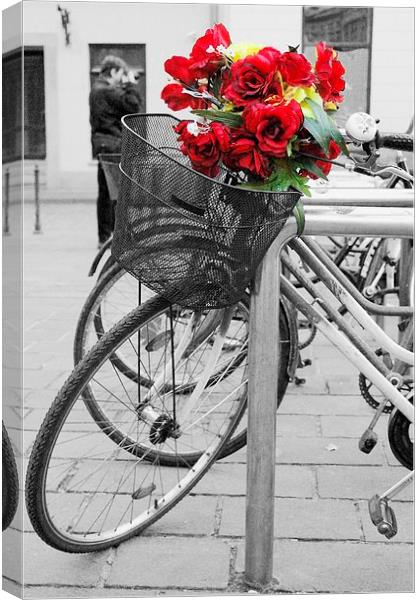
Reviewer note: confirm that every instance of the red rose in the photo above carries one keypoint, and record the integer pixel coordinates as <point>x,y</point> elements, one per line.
<point>244,154</point>
<point>253,78</point>
<point>329,72</point>
<point>206,55</point>
<point>180,68</point>
<point>203,144</point>
<point>273,125</point>
<point>177,98</point>
<point>316,150</point>
<point>296,69</point>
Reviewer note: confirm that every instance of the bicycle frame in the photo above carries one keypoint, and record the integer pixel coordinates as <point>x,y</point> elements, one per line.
<point>348,342</point>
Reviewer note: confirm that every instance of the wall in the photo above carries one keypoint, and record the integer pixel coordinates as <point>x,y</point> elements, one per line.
<point>392,95</point>
<point>69,171</point>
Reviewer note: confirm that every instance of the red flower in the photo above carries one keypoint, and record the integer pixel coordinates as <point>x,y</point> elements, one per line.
<point>329,72</point>
<point>177,98</point>
<point>296,69</point>
<point>180,68</point>
<point>206,56</point>
<point>244,154</point>
<point>273,125</point>
<point>253,78</point>
<point>203,144</point>
<point>316,150</point>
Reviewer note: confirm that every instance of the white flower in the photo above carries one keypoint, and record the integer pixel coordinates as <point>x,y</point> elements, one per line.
<point>195,129</point>
<point>220,49</point>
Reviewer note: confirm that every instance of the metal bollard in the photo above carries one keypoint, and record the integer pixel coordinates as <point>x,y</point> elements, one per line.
<point>37,211</point>
<point>6,229</point>
<point>262,408</point>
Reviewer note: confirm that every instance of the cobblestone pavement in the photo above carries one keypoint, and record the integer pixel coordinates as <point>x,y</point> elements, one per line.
<point>324,541</point>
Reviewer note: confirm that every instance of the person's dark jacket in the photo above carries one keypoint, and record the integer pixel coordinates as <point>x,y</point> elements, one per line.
<point>108,103</point>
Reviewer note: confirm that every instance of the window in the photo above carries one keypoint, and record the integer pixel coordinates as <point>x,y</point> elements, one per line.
<point>133,54</point>
<point>34,105</point>
<point>349,30</point>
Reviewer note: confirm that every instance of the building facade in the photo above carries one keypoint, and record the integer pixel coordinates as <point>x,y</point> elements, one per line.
<point>64,43</point>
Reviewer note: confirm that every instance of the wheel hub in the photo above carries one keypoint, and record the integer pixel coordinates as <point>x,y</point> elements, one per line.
<point>163,428</point>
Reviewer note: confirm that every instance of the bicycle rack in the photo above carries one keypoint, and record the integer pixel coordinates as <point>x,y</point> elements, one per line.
<point>263,349</point>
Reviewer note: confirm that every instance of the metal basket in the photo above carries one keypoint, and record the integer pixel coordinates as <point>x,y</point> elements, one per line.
<point>111,165</point>
<point>195,240</point>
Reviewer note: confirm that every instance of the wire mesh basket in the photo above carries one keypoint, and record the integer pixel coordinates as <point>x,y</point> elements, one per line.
<point>111,166</point>
<point>195,240</point>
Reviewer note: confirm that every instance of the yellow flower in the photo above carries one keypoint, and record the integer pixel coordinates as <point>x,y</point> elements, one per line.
<point>311,94</point>
<point>295,93</point>
<point>241,50</point>
<point>301,94</point>
<point>228,106</point>
<point>330,106</point>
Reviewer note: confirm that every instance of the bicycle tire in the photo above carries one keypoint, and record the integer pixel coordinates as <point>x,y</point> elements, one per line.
<point>45,481</point>
<point>108,264</point>
<point>92,314</point>
<point>10,481</point>
<point>399,438</point>
<point>154,308</point>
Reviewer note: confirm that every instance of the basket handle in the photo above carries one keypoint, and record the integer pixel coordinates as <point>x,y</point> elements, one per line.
<point>186,206</point>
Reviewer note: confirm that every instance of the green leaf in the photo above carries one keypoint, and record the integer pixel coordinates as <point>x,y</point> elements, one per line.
<point>318,133</point>
<point>323,128</point>
<point>227,118</point>
<point>282,179</point>
<point>310,165</point>
<point>299,214</point>
<point>215,84</point>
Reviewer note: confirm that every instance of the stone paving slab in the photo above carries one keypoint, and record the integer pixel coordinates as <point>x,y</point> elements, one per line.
<point>343,567</point>
<point>226,479</point>
<point>354,482</point>
<point>44,565</point>
<point>318,450</point>
<point>298,518</point>
<point>172,562</point>
<point>324,539</point>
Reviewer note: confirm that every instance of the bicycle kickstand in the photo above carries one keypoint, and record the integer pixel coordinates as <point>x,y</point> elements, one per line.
<point>381,514</point>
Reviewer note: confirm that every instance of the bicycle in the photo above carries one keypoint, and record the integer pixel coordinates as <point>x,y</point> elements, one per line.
<point>115,296</point>
<point>10,481</point>
<point>147,424</point>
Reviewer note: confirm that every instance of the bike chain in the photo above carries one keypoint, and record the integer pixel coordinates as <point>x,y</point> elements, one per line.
<point>363,383</point>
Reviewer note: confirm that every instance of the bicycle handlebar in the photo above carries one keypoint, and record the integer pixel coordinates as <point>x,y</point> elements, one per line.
<point>395,141</point>
<point>362,128</point>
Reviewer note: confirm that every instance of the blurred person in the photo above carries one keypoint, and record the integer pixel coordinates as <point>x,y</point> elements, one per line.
<point>113,95</point>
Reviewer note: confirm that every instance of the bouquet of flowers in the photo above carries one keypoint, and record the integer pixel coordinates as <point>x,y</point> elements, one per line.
<point>266,115</point>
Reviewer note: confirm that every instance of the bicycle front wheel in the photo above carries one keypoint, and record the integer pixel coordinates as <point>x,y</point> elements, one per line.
<point>86,491</point>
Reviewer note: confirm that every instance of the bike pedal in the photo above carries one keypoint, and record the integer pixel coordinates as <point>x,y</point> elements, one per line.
<point>304,363</point>
<point>383,517</point>
<point>368,441</point>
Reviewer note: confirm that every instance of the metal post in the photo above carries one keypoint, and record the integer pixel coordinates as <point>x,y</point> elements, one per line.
<point>6,229</point>
<point>37,211</point>
<point>262,407</point>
